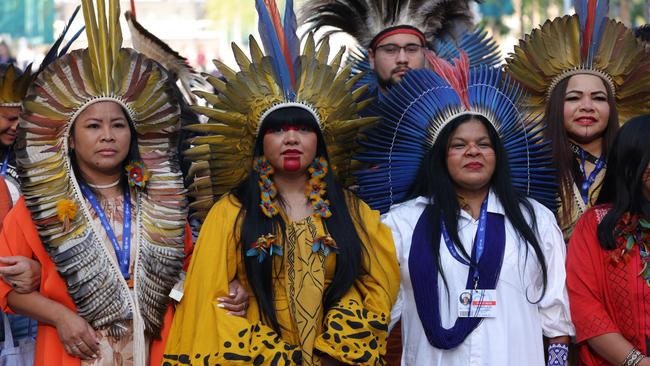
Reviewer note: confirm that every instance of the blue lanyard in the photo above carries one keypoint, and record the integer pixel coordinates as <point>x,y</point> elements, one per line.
<point>479,242</point>
<point>5,163</point>
<point>587,182</point>
<point>123,254</point>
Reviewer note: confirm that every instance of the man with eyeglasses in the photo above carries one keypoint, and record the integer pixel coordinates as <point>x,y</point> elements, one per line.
<point>396,35</point>
<point>394,51</point>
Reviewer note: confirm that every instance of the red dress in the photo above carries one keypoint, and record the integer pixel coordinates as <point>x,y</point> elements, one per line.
<point>605,297</point>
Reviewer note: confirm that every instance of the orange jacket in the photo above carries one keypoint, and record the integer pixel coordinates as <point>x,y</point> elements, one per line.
<point>19,237</point>
<point>5,200</point>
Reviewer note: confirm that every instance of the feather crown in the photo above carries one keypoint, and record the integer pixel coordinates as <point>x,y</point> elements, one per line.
<point>367,19</point>
<point>13,85</point>
<point>105,72</point>
<point>418,108</point>
<point>585,43</point>
<point>278,77</point>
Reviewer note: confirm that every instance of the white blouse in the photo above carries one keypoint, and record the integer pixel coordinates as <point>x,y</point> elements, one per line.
<point>514,336</point>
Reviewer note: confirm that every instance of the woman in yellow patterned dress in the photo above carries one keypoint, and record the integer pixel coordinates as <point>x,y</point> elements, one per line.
<point>319,263</point>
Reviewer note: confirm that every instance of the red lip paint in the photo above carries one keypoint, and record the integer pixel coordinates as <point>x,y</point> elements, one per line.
<point>291,163</point>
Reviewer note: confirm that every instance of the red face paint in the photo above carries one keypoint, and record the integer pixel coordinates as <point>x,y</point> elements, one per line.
<point>286,127</point>
<point>291,163</point>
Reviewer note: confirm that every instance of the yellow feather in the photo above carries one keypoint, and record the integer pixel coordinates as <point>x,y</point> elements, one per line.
<point>256,51</point>
<point>93,37</point>
<point>241,59</point>
<point>116,40</point>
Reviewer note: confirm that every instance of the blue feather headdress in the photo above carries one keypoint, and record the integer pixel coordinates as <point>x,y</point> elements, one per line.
<point>481,49</point>
<point>416,110</point>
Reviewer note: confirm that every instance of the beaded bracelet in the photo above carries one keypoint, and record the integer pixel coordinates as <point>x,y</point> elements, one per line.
<point>633,358</point>
<point>558,353</point>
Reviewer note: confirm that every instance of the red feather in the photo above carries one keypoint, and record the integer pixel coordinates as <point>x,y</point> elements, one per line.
<point>457,75</point>
<point>589,28</point>
<point>133,8</point>
<point>272,7</point>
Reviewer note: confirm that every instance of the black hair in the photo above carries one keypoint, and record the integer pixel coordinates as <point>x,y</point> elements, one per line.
<point>623,183</point>
<point>564,161</point>
<point>435,183</point>
<point>133,155</point>
<point>251,223</point>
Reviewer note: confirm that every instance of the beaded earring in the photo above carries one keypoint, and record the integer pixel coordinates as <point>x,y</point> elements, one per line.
<point>268,192</point>
<point>316,187</point>
<point>316,190</point>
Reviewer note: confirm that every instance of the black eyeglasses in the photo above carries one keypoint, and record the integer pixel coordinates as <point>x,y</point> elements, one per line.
<point>392,49</point>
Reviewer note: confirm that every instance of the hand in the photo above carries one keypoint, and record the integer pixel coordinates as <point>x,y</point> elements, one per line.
<point>78,337</point>
<point>236,301</point>
<point>22,273</point>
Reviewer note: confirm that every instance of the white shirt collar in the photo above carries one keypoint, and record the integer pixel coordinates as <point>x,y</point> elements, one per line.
<point>494,205</point>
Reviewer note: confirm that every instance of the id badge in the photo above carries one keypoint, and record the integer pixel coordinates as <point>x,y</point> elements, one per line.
<point>477,304</point>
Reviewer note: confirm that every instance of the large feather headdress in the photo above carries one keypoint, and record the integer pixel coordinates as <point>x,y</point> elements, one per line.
<point>105,72</point>
<point>417,109</point>
<point>281,76</point>
<point>366,19</point>
<point>585,43</point>
<point>13,85</point>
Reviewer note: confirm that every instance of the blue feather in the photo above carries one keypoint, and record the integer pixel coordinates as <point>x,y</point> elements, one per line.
<point>53,52</point>
<point>65,48</point>
<point>272,48</point>
<point>599,25</point>
<point>582,9</point>
<point>291,31</point>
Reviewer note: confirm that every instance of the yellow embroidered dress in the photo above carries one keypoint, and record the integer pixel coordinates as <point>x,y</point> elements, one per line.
<point>353,331</point>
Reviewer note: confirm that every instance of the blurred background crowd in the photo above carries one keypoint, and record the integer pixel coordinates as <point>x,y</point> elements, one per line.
<point>202,30</point>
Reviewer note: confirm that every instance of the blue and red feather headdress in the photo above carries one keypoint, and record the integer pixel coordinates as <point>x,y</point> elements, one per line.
<point>418,108</point>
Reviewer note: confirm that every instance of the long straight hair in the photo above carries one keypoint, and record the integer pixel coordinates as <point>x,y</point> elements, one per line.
<point>624,178</point>
<point>435,183</point>
<point>251,223</point>
<point>564,160</point>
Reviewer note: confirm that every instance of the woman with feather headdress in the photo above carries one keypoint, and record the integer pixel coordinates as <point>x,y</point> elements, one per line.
<point>462,177</point>
<point>586,74</point>
<point>318,261</point>
<point>103,207</point>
